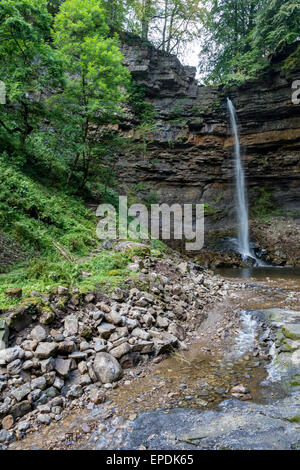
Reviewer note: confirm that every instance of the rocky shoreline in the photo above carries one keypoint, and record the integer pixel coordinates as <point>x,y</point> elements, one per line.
<point>69,346</point>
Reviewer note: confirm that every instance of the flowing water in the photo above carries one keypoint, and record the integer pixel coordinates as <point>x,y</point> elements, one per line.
<point>243,241</point>
<point>241,193</point>
<point>186,400</point>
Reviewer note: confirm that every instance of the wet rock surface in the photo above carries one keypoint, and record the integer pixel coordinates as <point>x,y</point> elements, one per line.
<point>87,345</point>
<point>167,403</point>
<point>234,426</point>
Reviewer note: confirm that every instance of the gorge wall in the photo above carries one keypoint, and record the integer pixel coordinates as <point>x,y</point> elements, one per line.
<point>187,156</point>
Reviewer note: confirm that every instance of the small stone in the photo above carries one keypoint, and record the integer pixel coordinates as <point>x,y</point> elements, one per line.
<point>89,298</point>
<point>82,367</point>
<point>11,354</point>
<point>139,333</point>
<point>84,346</point>
<point>14,367</point>
<point>105,330</point>
<point>75,391</point>
<point>85,428</point>
<point>39,333</point>
<point>240,389</point>
<point>47,365</point>
<point>45,350</point>
<point>27,365</point>
<point>38,383</point>
<point>44,419</point>
<point>66,347</point>
<point>99,345</point>
<point>62,366</point>
<point>4,334</point>
<point>177,330</point>
<point>121,350</point>
<point>21,392</point>
<point>96,396</point>
<point>62,290</point>
<point>162,322</point>
<point>58,383</point>
<point>22,426</point>
<point>7,422</point>
<point>117,294</point>
<point>71,325</point>
<point>20,409</point>
<point>4,436</point>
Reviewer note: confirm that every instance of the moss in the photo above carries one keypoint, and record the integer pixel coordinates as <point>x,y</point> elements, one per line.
<point>290,335</point>
<point>294,419</point>
<point>47,316</point>
<point>87,333</point>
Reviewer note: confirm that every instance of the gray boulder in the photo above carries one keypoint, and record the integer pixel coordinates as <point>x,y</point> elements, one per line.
<point>107,368</point>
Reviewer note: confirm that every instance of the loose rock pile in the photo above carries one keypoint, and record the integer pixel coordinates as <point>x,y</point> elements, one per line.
<point>67,345</point>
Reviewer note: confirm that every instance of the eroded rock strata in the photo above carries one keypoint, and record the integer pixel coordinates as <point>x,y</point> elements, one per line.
<point>188,156</point>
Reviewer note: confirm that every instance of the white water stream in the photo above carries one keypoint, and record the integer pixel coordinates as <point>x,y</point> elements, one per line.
<point>241,193</point>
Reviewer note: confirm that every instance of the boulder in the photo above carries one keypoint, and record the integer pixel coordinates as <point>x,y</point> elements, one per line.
<point>107,368</point>
<point>20,317</point>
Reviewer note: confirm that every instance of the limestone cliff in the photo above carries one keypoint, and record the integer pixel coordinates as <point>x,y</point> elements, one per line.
<point>189,153</point>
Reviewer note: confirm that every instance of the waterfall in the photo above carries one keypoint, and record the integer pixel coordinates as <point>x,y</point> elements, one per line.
<point>241,191</point>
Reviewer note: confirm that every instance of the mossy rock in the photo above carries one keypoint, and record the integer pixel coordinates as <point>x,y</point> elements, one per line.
<point>14,293</point>
<point>291,331</point>
<point>87,333</point>
<point>47,316</point>
<point>20,317</point>
<point>295,419</point>
<point>290,346</point>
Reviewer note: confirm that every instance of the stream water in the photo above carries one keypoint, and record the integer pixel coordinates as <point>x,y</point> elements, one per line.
<point>187,401</point>
<point>273,273</point>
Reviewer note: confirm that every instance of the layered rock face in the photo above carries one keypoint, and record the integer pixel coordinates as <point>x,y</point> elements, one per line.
<point>187,156</point>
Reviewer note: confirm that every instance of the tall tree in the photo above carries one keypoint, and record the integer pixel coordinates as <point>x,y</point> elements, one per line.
<point>95,86</point>
<point>178,23</point>
<point>228,28</point>
<point>29,67</point>
<point>277,25</point>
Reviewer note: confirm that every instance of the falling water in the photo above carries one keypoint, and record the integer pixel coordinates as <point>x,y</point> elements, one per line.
<point>242,207</point>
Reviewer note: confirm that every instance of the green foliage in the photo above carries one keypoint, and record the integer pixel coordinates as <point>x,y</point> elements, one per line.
<point>277,25</point>
<point>44,274</point>
<point>142,109</point>
<point>213,212</point>
<point>263,205</point>
<point>245,34</point>
<point>29,67</point>
<point>36,215</point>
<point>96,83</point>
